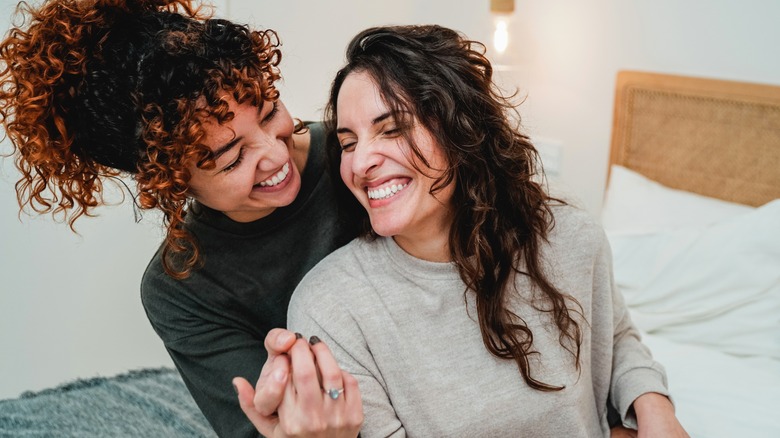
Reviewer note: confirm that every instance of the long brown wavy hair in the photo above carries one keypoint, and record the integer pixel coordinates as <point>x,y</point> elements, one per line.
<point>502,211</point>
<point>91,89</point>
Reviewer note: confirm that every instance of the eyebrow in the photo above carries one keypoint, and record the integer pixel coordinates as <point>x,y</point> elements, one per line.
<point>222,150</point>
<point>376,120</point>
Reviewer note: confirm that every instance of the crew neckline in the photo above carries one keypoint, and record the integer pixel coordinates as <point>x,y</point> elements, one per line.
<point>411,265</point>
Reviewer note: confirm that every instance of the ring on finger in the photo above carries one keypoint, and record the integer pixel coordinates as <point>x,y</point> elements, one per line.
<point>333,393</point>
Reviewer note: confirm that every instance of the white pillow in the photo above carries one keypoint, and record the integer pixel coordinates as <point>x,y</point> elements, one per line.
<point>635,203</point>
<point>715,286</point>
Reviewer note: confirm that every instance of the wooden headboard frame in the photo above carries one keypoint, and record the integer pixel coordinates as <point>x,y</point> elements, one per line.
<point>712,137</point>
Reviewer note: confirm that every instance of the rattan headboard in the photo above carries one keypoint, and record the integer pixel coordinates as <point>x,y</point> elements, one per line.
<point>712,137</point>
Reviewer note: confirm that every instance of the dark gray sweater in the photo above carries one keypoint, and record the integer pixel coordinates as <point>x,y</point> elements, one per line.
<point>214,322</point>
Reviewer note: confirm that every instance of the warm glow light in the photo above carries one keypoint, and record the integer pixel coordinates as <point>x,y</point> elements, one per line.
<point>500,36</point>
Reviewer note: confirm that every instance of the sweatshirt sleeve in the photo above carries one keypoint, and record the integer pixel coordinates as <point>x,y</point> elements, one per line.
<point>320,307</point>
<point>207,355</point>
<point>634,372</point>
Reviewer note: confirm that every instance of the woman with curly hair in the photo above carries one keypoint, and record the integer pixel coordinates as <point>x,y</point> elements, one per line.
<point>94,89</point>
<point>474,304</point>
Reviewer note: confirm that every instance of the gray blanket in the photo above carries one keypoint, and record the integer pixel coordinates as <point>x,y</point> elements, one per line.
<point>143,403</point>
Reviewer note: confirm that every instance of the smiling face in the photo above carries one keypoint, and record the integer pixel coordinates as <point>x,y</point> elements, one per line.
<point>378,166</point>
<point>255,173</point>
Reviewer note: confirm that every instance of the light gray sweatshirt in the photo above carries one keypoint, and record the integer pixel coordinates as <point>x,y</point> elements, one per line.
<point>402,327</point>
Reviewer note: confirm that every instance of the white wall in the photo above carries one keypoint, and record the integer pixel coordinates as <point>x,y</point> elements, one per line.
<point>566,55</point>
<point>314,34</point>
<point>69,305</point>
<point>574,49</point>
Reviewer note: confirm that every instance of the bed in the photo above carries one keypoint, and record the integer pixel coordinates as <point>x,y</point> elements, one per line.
<point>692,212</point>
<point>693,220</point>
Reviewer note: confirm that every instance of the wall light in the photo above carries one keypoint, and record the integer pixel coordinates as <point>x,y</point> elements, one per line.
<point>502,12</point>
<point>500,35</point>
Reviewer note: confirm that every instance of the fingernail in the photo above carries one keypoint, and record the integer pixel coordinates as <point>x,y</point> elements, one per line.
<point>314,340</point>
<point>298,335</point>
<point>280,375</point>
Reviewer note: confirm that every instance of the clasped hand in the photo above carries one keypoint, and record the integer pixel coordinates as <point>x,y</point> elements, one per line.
<point>301,391</point>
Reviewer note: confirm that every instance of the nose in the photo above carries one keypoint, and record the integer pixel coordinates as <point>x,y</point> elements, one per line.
<point>271,151</point>
<point>366,158</point>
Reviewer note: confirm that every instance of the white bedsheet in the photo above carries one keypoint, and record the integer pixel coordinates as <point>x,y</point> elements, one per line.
<point>718,395</point>
<point>701,278</point>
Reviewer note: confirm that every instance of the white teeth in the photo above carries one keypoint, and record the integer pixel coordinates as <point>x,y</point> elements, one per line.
<point>277,178</point>
<point>386,192</point>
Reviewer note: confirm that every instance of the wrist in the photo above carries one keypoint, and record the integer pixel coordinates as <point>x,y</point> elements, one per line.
<point>652,404</point>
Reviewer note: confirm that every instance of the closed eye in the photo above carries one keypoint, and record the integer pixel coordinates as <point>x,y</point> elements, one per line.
<point>348,146</point>
<point>271,114</point>
<point>235,162</point>
<point>392,132</point>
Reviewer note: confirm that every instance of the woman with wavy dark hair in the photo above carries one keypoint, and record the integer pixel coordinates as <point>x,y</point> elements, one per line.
<point>94,89</point>
<point>475,304</point>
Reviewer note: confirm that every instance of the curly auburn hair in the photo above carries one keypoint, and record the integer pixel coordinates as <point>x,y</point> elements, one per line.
<point>91,89</point>
<point>502,213</point>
